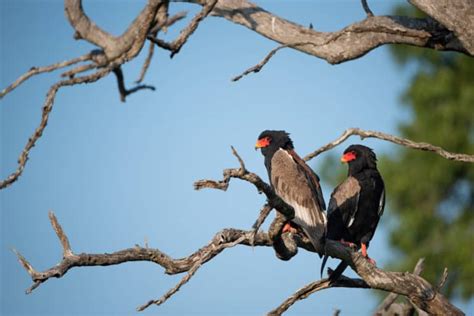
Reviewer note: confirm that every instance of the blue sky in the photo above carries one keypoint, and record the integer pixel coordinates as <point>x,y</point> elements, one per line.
<point>116,173</point>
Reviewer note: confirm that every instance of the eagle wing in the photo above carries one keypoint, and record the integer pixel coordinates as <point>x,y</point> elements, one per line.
<point>299,188</point>
<point>345,199</point>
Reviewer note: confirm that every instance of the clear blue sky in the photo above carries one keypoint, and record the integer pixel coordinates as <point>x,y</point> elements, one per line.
<point>116,173</point>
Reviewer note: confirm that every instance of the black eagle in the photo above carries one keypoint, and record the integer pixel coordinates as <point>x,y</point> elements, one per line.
<point>356,204</point>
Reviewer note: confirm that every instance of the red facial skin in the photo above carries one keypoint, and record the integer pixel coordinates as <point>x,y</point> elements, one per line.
<point>348,156</point>
<point>263,142</point>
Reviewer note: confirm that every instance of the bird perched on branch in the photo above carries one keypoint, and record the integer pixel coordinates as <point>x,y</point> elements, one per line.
<point>296,184</point>
<point>356,204</point>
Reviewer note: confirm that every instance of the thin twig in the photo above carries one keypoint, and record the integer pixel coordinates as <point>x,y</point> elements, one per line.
<point>241,162</point>
<point>442,280</point>
<point>170,21</point>
<point>178,43</point>
<point>394,139</point>
<point>314,287</point>
<point>39,70</point>
<point>267,58</point>
<point>124,92</point>
<point>61,235</point>
<point>264,212</point>
<point>162,24</point>
<point>173,290</point>
<point>187,277</point>
<point>146,64</point>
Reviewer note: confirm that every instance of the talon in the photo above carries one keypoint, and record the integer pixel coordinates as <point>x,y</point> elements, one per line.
<point>364,250</point>
<point>364,253</point>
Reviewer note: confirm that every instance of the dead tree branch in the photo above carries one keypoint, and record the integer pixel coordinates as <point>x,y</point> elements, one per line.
<point>124,92</point>
<point>267,58</point>
<point>415,288</point>
<point>178,43</point>
<point>39,70</point>
<point>314,287</point>
<point>451,30</point>
<point>349,43</point>
<point>393,139</point>
<point>458,18</point>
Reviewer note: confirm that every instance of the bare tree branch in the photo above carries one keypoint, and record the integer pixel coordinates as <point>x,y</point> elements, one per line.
<point>76,70</point>
<point>314,287</point>
<point>186,278</point>
<point>273,200</point>
<point>153,34</point>
<point>351,42</point>
<point>124,92</point>
<point>222,240</point>
<point>394,139</point>
<point>264,212</point>
<point>114,47</point>
<point>267,58</point>
<point>178,43</point>
<point>458,18</point>
<point>415,288</point>
<point>39,70</point>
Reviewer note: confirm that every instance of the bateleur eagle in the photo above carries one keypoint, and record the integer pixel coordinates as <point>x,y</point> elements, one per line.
<point>296,184</point>
<point>356,204</point>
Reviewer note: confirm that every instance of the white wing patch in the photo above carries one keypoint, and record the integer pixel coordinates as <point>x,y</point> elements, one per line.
<point>353,216</point>
<point>382,203</point>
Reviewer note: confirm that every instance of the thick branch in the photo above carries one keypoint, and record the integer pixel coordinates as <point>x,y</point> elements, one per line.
<point>85,28</point>
<point>336,47</point>
<point>457,17</point>
<point>394,139</point>
<point>113,47</point>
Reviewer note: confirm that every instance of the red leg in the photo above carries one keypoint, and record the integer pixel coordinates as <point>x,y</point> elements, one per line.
<point>364,253</point>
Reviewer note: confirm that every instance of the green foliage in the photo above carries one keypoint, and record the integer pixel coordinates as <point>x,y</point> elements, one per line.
<point>433,198</point>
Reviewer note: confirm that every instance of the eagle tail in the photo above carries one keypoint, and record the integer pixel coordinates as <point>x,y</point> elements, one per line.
<point>323,264</point>
<point>338,272</point>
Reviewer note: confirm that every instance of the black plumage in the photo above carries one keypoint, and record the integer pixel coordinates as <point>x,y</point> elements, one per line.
<point>295,183</point>
<point>356,204</point>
